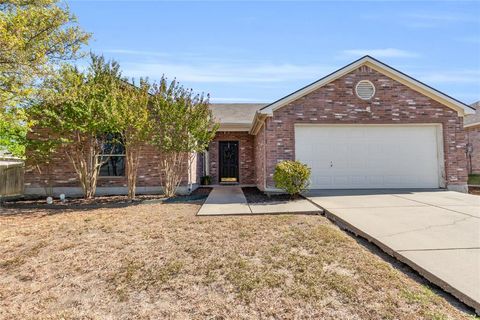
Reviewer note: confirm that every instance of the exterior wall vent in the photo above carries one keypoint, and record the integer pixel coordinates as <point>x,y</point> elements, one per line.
<point>365,90</point>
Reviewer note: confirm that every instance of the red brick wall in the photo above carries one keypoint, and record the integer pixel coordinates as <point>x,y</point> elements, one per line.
<point>473,138</point>
<point>62,173</point>
<point>246,155</point>
<point>337,103</point>
<point>259,151</point>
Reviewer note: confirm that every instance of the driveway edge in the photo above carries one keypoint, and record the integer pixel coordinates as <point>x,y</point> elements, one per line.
<point>344,225</point>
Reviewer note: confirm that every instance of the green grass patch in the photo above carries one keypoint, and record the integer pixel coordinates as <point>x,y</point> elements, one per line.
<point>474,179</point>
<point>423,296</point>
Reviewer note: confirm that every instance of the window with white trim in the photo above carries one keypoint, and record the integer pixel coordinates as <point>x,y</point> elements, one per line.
<point>113,158</point>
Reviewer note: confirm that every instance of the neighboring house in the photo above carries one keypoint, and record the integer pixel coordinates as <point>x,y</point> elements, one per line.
<point>366,125</point>
<point>472,129</point>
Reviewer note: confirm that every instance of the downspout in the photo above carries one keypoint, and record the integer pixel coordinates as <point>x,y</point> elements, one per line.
<point>265,155</point>
<point>189,175</point>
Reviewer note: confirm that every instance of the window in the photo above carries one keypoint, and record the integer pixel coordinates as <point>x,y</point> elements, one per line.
<point>113,156</point>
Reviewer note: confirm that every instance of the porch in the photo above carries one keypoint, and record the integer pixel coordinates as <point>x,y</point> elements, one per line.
<point>230,159</point>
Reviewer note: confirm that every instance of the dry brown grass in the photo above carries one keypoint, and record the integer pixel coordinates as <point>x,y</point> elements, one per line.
<point>159,261</point>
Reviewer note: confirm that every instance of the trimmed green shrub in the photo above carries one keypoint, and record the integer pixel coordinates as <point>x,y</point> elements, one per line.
<point>292,177</point>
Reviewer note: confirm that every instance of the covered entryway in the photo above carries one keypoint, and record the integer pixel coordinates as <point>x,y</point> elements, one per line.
<point>371,156</point>
<point>228,158</point>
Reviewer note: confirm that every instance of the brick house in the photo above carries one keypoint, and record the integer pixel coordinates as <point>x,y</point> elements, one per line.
<point>365,125</point>
<point>472,130</point>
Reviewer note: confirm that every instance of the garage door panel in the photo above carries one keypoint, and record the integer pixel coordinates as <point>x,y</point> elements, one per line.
<point>376,181</point>
<point>321,181</point>
<point>341,180</point>
<point>367,156</point>
<point>359,180</point>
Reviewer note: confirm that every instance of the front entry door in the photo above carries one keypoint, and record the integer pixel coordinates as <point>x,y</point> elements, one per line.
<point>228,159</point>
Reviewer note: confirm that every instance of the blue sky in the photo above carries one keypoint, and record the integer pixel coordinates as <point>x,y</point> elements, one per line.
<point>261,51</point>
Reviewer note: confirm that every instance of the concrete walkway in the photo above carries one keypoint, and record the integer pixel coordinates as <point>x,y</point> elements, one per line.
<point>225,200</point>
<point>437,233</point>
<point>230,200</point>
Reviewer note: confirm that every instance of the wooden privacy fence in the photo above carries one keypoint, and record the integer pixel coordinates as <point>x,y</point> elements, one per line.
<point>11,178</point>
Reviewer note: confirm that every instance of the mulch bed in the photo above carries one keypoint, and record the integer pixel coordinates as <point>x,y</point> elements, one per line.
<point>474,190</point>
<point>254,195</point>
<point>113,201</point>
<point>198,194</point>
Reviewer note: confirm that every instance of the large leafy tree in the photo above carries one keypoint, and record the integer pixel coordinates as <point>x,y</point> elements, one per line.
<point>79,114</point>
<point>132,116</point>
<point>13,130</point>
<point>182,125</point>
<point>35,37</point>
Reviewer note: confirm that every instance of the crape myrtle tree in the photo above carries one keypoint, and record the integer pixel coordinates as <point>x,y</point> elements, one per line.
<point>132,116</point>
<point>80,114</point>
<point>35,37</point>
<point>182,125</point>
<point>41,150</point>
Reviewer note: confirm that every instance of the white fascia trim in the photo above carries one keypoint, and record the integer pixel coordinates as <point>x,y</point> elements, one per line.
<point>257,123</point>
<point>382,68</point>
<point>470,125</point>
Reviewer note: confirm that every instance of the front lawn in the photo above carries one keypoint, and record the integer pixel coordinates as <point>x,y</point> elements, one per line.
<point>160,261</point>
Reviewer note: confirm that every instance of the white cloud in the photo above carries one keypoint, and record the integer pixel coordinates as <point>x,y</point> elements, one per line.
<point>154,55</point>
<point>225,72</point>
<point>439,17</point>
<point>381,53</point>
<point>203,68</point>
<point>431,20</point>
<point>468,97</point>
<point>459,76</point>
<point>423,19</point>
<point>245,100</point>
<point>136,52</point>
<point>470,39</point>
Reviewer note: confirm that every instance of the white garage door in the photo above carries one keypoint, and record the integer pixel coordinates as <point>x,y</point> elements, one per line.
<point>369,156</point>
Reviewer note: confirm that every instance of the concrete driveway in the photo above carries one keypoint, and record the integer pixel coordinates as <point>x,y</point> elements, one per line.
<point>436,232</point>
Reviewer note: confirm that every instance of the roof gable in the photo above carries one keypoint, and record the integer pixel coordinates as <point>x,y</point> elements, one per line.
<point>461,108</point>
<point>474,119</point>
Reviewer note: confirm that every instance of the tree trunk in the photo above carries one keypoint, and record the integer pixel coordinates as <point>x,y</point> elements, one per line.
<point>172,168</point>
<point>84,155</point>
<point>132,155</point>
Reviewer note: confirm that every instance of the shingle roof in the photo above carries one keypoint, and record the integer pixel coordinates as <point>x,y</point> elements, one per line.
<point>473,118</point>
<point>235,113</point>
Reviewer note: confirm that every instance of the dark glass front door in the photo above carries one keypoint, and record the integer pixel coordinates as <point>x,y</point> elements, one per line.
<point>228,159</point>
